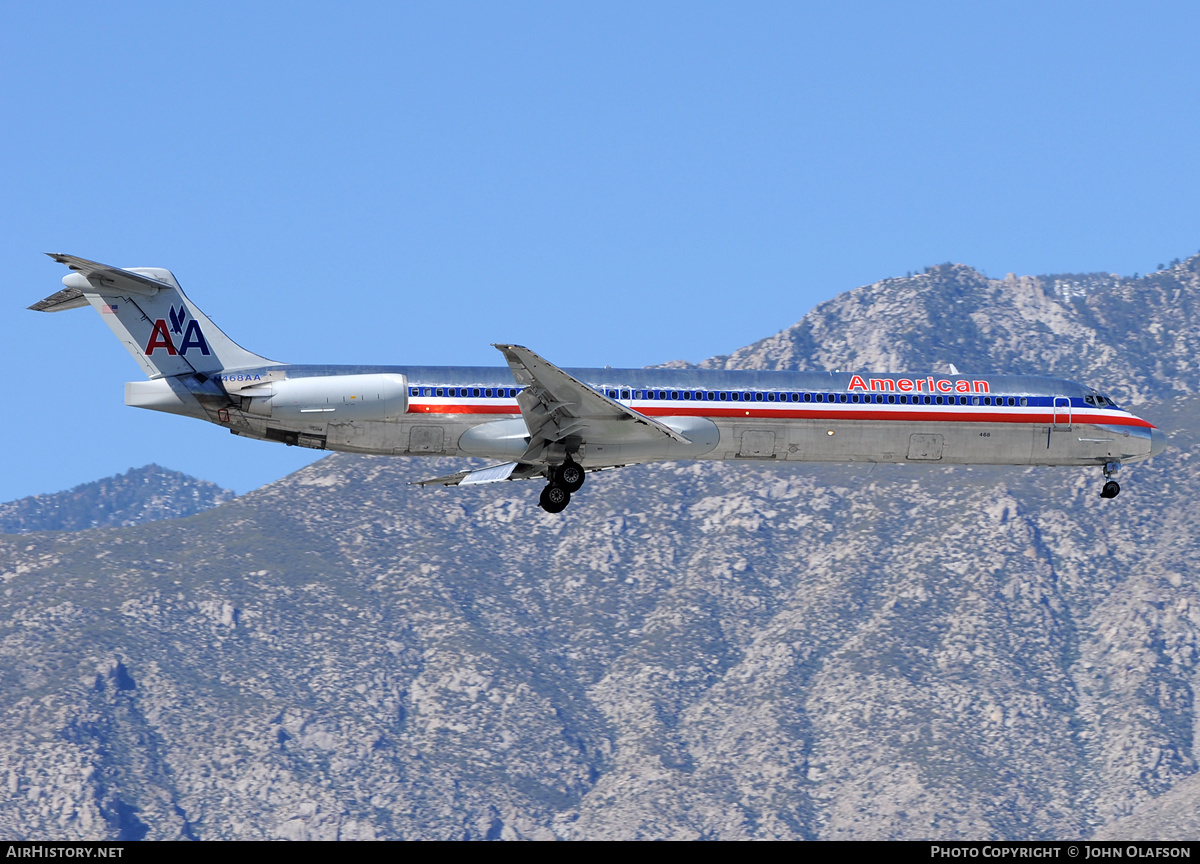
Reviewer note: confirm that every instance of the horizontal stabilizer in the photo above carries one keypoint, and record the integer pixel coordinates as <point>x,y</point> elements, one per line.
<point>105,279</point>
<point>67,298</point>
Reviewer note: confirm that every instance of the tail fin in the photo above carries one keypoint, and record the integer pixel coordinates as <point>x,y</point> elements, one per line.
<point>148,312</point>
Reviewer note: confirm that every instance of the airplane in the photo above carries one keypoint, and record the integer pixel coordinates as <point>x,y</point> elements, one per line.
<point>542,421</point>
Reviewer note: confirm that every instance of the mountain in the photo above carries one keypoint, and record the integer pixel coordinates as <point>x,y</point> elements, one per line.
<point>139,495</point>
<point>690,651</point>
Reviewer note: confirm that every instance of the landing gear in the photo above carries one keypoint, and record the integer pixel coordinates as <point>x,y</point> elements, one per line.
<point>569,476</point>
<point>565,479</point>
<point>1111,488</point>
<point>554,499</point>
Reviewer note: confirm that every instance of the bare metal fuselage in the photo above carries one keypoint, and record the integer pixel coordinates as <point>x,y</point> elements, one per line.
<point>727,415</point>
<point>539,420</point>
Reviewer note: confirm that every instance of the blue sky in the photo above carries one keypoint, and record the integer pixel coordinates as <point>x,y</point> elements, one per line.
<point>610,183</point>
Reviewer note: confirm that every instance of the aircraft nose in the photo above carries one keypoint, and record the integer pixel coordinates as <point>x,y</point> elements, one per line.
<point>1158,440</point>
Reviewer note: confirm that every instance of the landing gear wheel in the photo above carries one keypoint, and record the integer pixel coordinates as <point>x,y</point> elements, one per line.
<point>1111,489</point>
<point>569,476</point>
<point>554,499</point>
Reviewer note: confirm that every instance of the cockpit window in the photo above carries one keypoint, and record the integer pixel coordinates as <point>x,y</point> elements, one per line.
<point>1100,401</point>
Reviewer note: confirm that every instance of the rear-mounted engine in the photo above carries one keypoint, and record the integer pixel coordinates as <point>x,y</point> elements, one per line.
<point>328,398</point>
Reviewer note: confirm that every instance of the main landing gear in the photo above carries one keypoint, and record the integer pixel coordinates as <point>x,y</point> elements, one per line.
<point>1111,488</point>
<point>564,480</point>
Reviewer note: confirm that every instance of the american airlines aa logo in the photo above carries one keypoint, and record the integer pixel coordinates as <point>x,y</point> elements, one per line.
<point>180,325</point>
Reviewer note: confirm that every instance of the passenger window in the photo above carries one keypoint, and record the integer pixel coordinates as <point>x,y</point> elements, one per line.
<point>624,394</point>
<point>1024,402</point>
<point>807,397</point>
<point>891,400</point>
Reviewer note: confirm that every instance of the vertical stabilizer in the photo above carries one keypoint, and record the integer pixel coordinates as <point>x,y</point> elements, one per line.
<point>148,311</point>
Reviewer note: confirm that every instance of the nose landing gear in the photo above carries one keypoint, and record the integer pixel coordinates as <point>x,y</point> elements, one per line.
<point>565,479</point>
<point>1111,488</point>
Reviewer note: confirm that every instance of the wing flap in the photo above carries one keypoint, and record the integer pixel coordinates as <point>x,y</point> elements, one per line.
<point>478,476</point>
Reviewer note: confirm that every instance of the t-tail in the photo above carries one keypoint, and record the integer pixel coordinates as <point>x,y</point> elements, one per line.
<point>148,311</point>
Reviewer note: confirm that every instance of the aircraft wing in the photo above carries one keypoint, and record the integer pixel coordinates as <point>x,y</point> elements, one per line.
<point>491,474</point>
<point>556,406</point>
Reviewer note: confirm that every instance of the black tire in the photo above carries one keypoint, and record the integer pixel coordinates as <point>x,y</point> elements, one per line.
<point>569,476</point>
<point>1111,489</point>
<point>554,499</point>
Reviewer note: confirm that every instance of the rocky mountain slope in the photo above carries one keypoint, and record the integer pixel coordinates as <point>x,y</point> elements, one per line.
<point>139,495</point>
<point>724,651</point>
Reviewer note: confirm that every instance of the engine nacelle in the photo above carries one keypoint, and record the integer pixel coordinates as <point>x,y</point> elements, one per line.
<point>329,398</point>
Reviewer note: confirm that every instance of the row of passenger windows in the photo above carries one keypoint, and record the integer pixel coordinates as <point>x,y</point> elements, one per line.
<point>736,396</point>
<point>854,398</point>
<point>467,392</point>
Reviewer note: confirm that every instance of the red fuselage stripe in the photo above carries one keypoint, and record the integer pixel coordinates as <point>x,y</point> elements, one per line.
<point>900,414</point>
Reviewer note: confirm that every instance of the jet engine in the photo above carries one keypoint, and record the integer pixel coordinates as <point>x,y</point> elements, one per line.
<point>328,398</point>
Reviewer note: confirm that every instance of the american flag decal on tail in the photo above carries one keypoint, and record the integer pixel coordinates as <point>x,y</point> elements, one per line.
<point>108,310</point>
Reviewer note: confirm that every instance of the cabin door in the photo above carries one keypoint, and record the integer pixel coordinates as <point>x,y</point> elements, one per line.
<point>1062,413</point>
